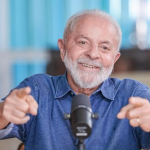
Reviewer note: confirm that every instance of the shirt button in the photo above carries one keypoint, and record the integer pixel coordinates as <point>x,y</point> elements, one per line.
<point>72,93</point>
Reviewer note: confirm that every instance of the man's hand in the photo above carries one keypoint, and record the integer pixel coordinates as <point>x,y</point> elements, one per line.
<point>17,104</point>
<point>138,113</point>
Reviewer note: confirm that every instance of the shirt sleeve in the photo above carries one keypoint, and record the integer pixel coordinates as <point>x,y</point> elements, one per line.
<point>7,130</point>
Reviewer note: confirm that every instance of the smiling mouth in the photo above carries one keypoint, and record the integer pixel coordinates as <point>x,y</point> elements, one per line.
<point>89,66</point>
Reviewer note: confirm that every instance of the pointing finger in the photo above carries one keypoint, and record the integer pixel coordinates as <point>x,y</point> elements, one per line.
<point>123,112</point>
<point>23,92</point>
<point>33,106</point>
<point>137,101</point>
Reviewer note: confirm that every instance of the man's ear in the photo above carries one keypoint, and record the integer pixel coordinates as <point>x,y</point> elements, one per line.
<point>117,57</point>
<point>61,46</point>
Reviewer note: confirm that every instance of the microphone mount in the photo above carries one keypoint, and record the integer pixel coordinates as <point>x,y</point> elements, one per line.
<point>94,116</point>
<point>81,145</point>
<point>81,119</point>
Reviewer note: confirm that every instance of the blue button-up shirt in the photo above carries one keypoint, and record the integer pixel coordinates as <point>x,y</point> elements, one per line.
<point>49,131</point>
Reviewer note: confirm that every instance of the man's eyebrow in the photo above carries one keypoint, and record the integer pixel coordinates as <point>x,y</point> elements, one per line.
<point>83,36</point>
<point>106,42</point>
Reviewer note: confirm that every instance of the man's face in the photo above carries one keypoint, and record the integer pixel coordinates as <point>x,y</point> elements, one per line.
<point>90,51</point>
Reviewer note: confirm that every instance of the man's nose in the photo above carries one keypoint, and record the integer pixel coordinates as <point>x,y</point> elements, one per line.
<point>93,52</point>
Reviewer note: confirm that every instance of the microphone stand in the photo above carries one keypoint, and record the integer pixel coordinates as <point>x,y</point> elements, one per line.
<point>81,145</point>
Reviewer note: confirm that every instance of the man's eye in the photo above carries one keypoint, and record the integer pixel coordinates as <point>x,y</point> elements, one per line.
<point>105,48</point>
<point>82,42</point>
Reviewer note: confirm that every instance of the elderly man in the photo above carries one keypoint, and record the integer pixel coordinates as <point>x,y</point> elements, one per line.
<point>33,111</point>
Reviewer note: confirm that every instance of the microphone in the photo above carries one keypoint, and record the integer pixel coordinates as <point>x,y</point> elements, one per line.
<point>81,117</point>
<point>81,120</point>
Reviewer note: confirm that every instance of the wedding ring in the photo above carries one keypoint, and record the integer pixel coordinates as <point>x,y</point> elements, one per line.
<point>138,121</point>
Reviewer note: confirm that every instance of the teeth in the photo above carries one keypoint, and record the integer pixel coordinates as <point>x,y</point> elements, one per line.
<point>88,66</point>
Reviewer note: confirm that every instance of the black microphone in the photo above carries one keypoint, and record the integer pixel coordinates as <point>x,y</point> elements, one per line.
<point>81,116</point>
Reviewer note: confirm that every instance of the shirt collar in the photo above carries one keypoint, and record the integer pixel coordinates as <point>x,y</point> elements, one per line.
<point>107,88</point>
<point>62,87</point>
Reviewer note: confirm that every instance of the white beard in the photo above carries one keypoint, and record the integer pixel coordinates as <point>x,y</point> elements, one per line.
<point>87,79</point>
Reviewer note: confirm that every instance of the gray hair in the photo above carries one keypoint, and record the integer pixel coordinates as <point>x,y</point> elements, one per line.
<point>73,20</point>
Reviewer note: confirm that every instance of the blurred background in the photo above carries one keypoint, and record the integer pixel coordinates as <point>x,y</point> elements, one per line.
<point>29,30</point>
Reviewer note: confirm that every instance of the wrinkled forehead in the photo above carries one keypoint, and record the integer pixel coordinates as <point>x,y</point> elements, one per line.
<point>102,21</point>
<point>98,22</point>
